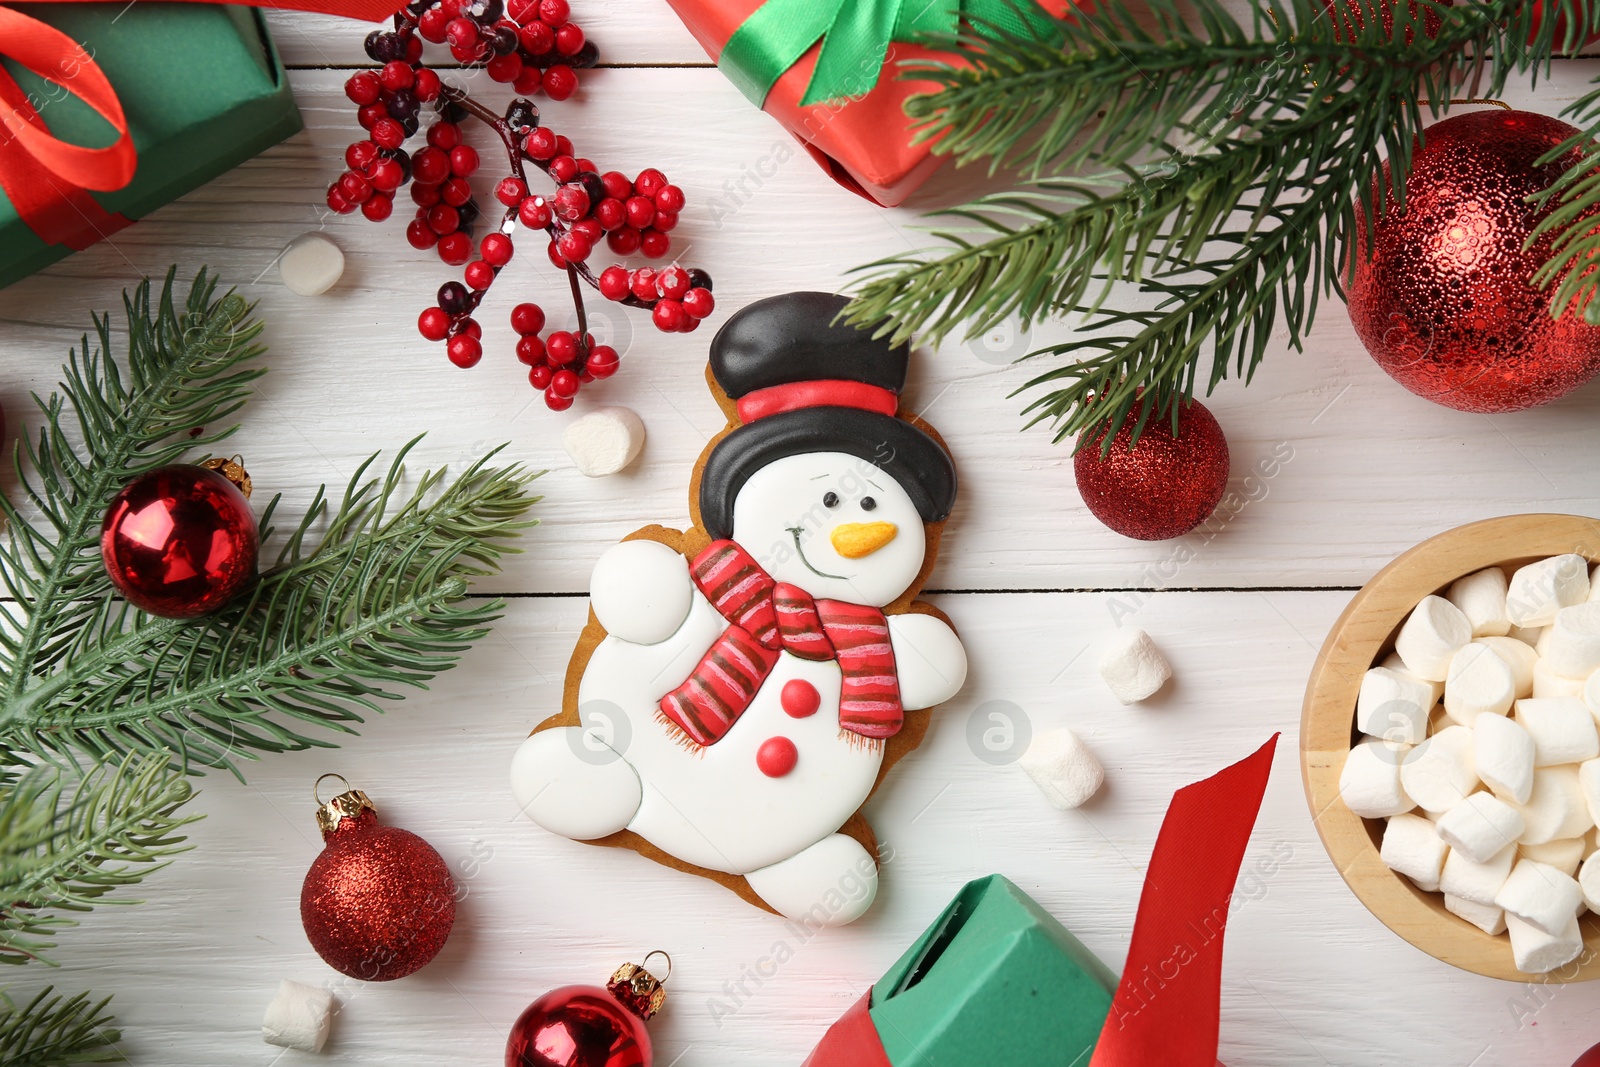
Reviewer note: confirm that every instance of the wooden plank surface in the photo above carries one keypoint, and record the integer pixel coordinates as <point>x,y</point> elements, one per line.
<point>1357,470</point>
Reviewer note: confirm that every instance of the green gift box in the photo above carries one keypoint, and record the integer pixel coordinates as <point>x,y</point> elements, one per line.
<point>202,89</point>
<point>995,979</point>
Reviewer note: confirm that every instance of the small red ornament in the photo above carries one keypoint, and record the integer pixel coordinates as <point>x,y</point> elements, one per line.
<point>587,1026</point>
<point>181,541</point>
<point>1589,1059</point>
<point>1162,487</point>
<point>1444,304</point>
<point>379,902</point>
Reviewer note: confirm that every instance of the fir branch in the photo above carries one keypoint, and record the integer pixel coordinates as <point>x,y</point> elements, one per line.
<point>68,840</point>
<point>329,631</point>
<point>1214,150</point>
<point>56,1031</point>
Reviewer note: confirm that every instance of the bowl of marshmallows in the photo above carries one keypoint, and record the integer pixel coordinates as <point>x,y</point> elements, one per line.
<point>1450,744</point>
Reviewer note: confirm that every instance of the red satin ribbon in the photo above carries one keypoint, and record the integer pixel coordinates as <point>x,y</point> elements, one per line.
<point>45,178</point>
<point>1167,1006</point>
<point>1166,1009</point>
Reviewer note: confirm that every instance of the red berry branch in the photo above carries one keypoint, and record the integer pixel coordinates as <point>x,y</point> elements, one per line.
<point>534,46</point>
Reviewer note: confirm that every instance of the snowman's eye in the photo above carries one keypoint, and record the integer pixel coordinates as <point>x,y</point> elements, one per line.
<point>867,503</point>
<point>830,500</point>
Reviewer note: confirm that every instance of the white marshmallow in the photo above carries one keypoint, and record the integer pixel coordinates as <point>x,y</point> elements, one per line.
<point>1528,635</point>
<point>1479,682</point>
<point>1564,855</point>
<point>1477,882</point>
<point>1486,917</point>
<point>604,441</point>
<point>1065,771</point>
<point>1439,773</point>
<point>1481,826</point>
<point>1369,784</point>
<point>1556,808</point>
<point>1589,785</point>
<point>1519,657</point>
<point>1573,648</point>
<point>1547,684</point>
<point>1539,894</point>
<point>1541,589</point>
<point>298,1017</point>
<point>1393,706</point>
<point>1502,756</point>
<point>1133,666</point>
<point>1411,847</point>
<point>1482,599</point>
<point>1434,632</point>
<point>1591,843</point>
<point>1562,729</point>
<point>311,264</point>
<point>1589,882</point>
<point>1393,662</point>
<point>1536,952</point>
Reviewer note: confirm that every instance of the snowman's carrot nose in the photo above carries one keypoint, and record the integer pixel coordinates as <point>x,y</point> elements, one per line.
<point>852,540</point>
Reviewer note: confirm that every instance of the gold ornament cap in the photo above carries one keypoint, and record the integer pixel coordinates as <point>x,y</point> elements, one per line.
<point>637,989</point>
<point>233,470</point>
<point>350,804</point>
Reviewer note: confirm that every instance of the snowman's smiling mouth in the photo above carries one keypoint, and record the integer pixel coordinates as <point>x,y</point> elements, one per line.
<point>795,532</point>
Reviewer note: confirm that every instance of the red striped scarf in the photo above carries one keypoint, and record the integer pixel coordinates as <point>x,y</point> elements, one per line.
<point>765,618</point>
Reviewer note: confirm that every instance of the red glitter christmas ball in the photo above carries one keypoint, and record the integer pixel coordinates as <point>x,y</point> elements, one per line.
<point>1444,304</point>
<point>1162,487</point>
<point>379,902</point>
<point>1589,1059</point>
<point>179,541</point>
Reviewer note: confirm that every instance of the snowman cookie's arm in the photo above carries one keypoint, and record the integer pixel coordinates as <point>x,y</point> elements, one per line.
<point>928,658</point>
<point>641,591</point>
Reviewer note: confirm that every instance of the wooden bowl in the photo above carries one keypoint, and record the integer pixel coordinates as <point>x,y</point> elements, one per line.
<point>1365,634</point>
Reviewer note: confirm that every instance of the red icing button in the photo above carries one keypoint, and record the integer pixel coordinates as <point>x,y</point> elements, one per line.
<point>800,698</point>
<point>777,755</point>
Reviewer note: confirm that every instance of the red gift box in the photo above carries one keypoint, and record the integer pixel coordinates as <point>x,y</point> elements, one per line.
<point>862,138</point>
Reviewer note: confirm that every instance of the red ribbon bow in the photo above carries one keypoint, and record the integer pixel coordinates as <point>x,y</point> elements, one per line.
<point>47,179</point>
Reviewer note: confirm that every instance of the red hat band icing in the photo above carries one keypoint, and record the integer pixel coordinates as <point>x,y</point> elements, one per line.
<point>827,392</point>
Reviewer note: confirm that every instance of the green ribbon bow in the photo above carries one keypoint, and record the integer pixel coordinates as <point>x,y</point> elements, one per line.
<point>855,37</point>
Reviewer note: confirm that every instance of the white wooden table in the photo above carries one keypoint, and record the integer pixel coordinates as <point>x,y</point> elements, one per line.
<point>1031,580</point>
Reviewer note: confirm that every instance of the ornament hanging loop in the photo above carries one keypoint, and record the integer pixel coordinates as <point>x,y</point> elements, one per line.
<point>316,789</point>
<point>658,952</point>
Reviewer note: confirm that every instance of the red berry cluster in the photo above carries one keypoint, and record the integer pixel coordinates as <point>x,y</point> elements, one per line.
<point>559,363</point>
<point>530,44</point>
<point>682,298</point>
<point>533,45</point>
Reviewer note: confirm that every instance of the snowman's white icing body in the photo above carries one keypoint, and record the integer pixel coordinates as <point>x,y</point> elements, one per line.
<point>627,767</point>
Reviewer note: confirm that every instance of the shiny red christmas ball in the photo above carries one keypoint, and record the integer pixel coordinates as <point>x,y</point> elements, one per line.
<point>1444,304</point>
<point>578,1026</point>
<point>179,541</point>
<point>379,902</point>
<point>1162,487</point>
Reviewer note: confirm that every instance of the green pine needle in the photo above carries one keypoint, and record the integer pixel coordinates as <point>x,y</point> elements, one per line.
<point>55,1031</point>
<point>69,840</point>
<point>1216,167</point>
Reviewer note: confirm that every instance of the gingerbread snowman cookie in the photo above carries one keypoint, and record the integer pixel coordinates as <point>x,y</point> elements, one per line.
<point>743,686</point>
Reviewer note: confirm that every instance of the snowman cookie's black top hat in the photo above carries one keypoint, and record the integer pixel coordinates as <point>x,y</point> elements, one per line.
<point>806,383</point>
